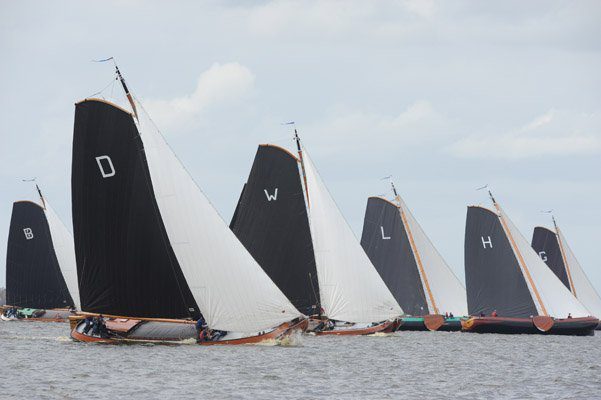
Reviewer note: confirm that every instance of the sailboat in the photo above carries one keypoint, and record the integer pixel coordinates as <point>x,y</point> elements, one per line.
<point>416,274</point>
<point>151,250</point>
<point>552,247</point>
<point>291,225</point>
<point>41,282</point>
<point>509,288</point>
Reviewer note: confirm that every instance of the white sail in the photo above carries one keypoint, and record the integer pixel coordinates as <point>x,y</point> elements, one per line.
<point>230,288</point>
<point>448,292</point>
<point>64,248</point>
<point>583,289</point>
<point>349,286</point>
<point>557,300</point>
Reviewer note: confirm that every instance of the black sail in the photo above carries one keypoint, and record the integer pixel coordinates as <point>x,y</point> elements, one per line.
<point>125,262</point>
<point>271,221</point>
<point>494,280</point>
<point>33,276</point>
<point>546,245</point>
<point>386,243</point>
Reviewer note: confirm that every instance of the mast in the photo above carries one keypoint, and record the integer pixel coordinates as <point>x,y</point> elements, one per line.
<point>563,256</point>
<point>41,196</point>
<point>519,254</point>
<point>302,163</point>
<point>418,258</point>
<point>127,93</point>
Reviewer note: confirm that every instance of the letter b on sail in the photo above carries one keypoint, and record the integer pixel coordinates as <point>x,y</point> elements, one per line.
<point>486,242</point>
<point>106,168</point>
<point>273,196</point>
<point>28,233</point>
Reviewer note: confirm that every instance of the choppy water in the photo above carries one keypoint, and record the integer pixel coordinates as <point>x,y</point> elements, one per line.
<point>40,361</point>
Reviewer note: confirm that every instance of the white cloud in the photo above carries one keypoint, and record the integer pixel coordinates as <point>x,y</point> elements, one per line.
<point>221,84</point>
<point>555,133</point>
<point>417,125</point>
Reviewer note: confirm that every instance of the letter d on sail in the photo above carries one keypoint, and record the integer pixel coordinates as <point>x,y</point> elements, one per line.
<point>270,197</point>
<point>109,164</point>
<point>486,242</point>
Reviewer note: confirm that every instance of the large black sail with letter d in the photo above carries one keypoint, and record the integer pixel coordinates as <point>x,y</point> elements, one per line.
<point>125,262</point>
<point>386,243</point>
<point>544,242</point>
<point>33,276</point>
<point>271,222</point>
<point>493,278</point>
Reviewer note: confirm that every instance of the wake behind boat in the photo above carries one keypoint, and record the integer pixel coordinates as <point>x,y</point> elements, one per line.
<point>290,224</point>
<point>41,284</point>
<point>509,288</point>
<point>149,245</point>
<point>414,271</point>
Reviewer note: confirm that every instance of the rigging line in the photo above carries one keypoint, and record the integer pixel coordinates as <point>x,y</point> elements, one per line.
<point>317,302</point>
<point>563,256</point>
<point>104,88</point>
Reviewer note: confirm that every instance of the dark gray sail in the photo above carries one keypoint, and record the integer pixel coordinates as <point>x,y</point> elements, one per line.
<point>494,280</point>
<point>125,262</point>
<point>271,222</point>
<point>386,243</point>
<point>33,276</point>
<point>546,245</point>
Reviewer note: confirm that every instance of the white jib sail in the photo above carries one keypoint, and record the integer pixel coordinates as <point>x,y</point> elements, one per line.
<point>583,289</point>
<point>448,292</point>
<point>231,289</point>
<point>64,248</point>
<point>556,298</point>
<point>349,286</point>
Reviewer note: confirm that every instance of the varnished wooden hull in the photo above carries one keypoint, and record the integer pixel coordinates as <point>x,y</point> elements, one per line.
<point>382,327</point>
<point>568,326</point>
<point>278,333</point>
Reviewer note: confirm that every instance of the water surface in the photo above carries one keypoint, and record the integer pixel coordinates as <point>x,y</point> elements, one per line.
<point>40,361</point>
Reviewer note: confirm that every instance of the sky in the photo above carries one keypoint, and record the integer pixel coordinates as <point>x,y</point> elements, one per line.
<point>444,96</point>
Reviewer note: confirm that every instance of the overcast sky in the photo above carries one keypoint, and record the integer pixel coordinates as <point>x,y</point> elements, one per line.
<point>445,96</point>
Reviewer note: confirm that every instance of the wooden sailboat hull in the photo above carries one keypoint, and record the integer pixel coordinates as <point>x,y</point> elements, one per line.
<point>343,331</point>
<point>279,333</point>
<point>124,330</point>
<point>52,315</point>
<point>419,324</point>
<point>568,326</point>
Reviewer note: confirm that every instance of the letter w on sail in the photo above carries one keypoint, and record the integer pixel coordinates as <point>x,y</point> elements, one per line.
<point>270,197</point>
<point>109,164</point>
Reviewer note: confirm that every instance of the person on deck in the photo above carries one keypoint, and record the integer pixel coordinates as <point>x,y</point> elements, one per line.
<point>451,315</point>
<point>569,315</point>
<point>494,313</point>
<point>88,322</point>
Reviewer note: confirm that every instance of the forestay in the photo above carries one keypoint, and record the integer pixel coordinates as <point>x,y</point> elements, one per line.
<point>350,288</point>
<point>230,288</point>
<point>447,290</point>
<point>64,248</point>
<point>557,300</point>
